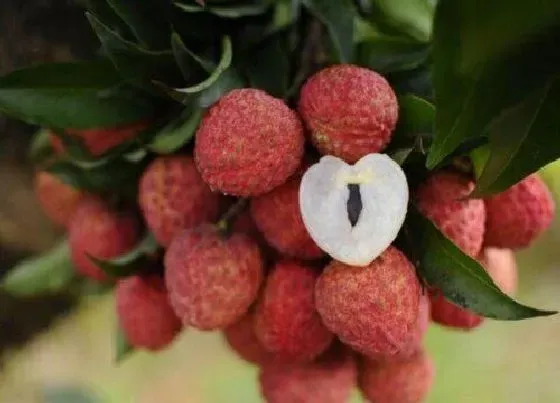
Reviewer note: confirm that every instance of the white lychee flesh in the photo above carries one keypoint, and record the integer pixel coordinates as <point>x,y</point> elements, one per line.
<point>323,198</point>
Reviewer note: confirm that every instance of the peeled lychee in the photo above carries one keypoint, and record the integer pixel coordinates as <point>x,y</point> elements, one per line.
<point>212,280</point>
<point>372,309</point>
<point>242,339</point>
<point>397,381</point>
<point>286,322</point>
<point>278,217</point>
<point>517,216</point>
<point>330,379</point>
<point>173,197</point>
<point>350,111</point>
<point>100,232</point>
<point>248,143</point>
<point>144,312</point>
<point>99,141</point>
<point>57,199</point>
<point>502,267</point>
<point>443,199</point>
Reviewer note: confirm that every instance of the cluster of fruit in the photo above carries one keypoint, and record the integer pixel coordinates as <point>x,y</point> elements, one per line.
<point>316,326</point>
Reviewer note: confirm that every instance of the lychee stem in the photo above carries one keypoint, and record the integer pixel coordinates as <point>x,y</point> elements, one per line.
<point>237,208</point>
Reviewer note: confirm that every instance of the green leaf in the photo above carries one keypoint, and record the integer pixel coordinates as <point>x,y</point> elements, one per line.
<point>522,140</point>
<point>48,273</point>
<point>247,9</point>
<point>461,279</point>
<point>130,263</point>
<point>177,133</point>
<point>71,95</point>
<point>228,80</point>
<point>191,65</point>
<point>40,147</point>
<point>106,13</point>
<point>123,348</point>
<point>412,18</point>
<point>338,18</point>
<point>488,57</point>
<point>386,54</point>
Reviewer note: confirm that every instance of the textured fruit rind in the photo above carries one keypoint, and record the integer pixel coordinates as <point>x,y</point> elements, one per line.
<point>371,309</point>
<point>248,143</point>
<point>446,313</point>
<point>212,281</point>
<point>144,312</point>
<point>350,111</point>
<point>241,338</point>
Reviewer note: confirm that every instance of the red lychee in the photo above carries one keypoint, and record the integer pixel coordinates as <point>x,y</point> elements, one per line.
<point>173,197</point>
<point>443,199</point>
<point>330,379</point>
<point>502,267</point>
<point>248,143</point>
<point>418,331</point>
<point>286,322</point>
<point>374,308</point>
<point>242,339</point>
<point>144,312</point>
<point>278,217</point>
<point>57,199</point>
<point>446,313</point>
<point>100,140</point>
<point>517,216</point>
<point>101,232</point>
<point>350,111</point>
<point>212,280</point>
<point>396,381</point>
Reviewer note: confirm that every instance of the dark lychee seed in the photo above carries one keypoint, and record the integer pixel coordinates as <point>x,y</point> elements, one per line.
<point>354,204</point>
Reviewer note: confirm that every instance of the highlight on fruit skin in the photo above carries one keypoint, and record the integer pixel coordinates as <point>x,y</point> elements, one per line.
<point>325,191</point>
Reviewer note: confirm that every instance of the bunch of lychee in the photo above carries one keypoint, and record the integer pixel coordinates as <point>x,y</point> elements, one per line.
<point>304,282</point>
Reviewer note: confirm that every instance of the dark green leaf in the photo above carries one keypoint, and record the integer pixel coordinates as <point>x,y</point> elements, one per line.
<point>176,134</point>
<point>488,56</point>
<point>48,273</point>
<point>461,279</point>
<point>67,394</point>
<point>338,18</point>
<point>71,95</point>
<point>104,12</point>
<point>228,80</point>
<point>123,349</point>
<point>191,65</point>
<point>244,9</point>
<point>522,140</point>
<point>386,54</point>
<point>40,147</point>
<point>412,18</point>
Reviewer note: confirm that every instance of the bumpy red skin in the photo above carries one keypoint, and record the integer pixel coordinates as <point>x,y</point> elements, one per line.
<point>517,216</point>
<point>397,381</point>
<point>416,336</point>
<point>349,110</point>
<point>144,312</point>
<point>379,324</point>
<point>502,267</point>
<point>173,197</point>
<point>241,338</point>
<point>212,280</point>
<point>278,217</point>
<point>98,231</point>
<point>330,379</point>
<point>57,199</point>
<point>446,313</point>
<point>286,322</point>
<point>248,143</point>
<point>99,141</point>
<point>442,198</point>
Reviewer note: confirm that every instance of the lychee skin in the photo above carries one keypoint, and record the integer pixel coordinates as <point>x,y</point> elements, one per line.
<point>101,232</point>
<point>443,199</point>
<point>286,322</point>
<point>57,199</point>
<point>446,313</point>
<point>416,335</point>
<point>330,379</point>
<point>278,217</point>
<point>144,312</point>
<point>173,197</point>
<point>502,267</point>
<point>350,111</point>
<point>374,308</point>
<point>241,338</point>
<point>100,140</point>
<point>212,280</point>
<point>397,381</point>
<point>248,143</point>
<point>519,215</point>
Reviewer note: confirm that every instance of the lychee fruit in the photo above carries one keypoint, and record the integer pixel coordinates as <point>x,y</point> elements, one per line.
<point>502,267</point>
<point>372,309</point>
<point>144,312</point>
<point>446,313</point>
<point>173,197</point>
<point>96,230</point>
<point>416,335</point>
<point>100,140</point>
<point>242,339</point>
<point>519,215</point>
<point>443,199</point>
<point>57,199</point>
<point>406,380</point>
<point>278,217</point>
<point>329,379</point>
<point>350,111</point>
<point>212,280</point>
<point>248,143</point>
<point>286,322</point>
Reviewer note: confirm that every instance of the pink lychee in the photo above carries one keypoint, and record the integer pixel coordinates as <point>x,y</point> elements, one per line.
<point>242,339</point>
